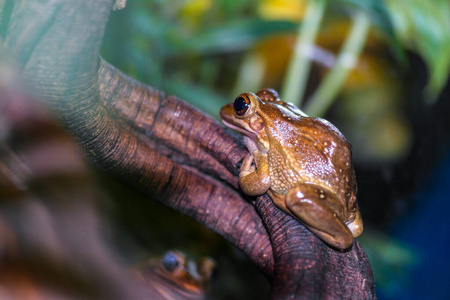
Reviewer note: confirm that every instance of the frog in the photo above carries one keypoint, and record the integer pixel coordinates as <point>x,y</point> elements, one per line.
<point>303,163</point>
<point>176,275</point>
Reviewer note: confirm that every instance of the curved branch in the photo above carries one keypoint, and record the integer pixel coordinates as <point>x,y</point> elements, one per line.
<point>48,215</point>
<point>306,268</point>
<point>165,147</point>
<point>173,152</point>
<point>188,158</point>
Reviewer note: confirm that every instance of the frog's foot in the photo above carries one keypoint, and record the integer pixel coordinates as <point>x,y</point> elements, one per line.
<point>247,166</point>
<point>255,181</point>
<point>312,205</point>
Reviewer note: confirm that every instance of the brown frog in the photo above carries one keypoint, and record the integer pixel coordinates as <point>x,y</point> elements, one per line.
<point>175,276</point>
<point>303,163</point>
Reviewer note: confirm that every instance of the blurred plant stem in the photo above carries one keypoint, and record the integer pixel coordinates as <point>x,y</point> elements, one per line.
<point>329,88</point>
<point>250,76</point>
<point>297,75</point>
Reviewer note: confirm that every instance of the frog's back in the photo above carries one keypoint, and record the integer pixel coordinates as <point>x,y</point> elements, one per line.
<point>314,151</point>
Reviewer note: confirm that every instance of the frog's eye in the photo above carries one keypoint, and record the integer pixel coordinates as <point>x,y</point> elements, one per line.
<point>241,105</point>
<point>170,261</point>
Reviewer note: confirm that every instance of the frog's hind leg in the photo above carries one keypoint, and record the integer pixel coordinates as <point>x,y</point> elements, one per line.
<point>321,212</point>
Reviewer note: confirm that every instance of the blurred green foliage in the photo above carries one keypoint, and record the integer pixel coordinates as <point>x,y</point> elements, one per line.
<point>424,27</point>
<point>195,49</point>
<point>391,261</point>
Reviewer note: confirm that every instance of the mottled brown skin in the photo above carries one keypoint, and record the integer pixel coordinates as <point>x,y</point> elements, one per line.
<point>303,163</point>
<point>176,276</point>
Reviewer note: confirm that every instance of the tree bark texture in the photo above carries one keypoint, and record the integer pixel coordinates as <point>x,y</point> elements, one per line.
<point>52,245</point>
<point>168,149</point>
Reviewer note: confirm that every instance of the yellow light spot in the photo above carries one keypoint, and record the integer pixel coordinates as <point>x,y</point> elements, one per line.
<point>192,11</point>
<point>292,10</point>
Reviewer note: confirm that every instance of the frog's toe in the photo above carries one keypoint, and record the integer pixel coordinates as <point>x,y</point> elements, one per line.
<point>356,226</point>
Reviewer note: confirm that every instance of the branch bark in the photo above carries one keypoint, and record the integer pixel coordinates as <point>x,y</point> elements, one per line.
<point>306,268</point>
<point>168,149</point>
<point>64,67</point>
<point>52,245</point>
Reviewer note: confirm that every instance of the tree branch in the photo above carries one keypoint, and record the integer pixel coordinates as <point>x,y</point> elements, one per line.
<point>52,245</point>
<point>188,165</point>
<point>165,147</point>
<point>306,268</point>
<point>169,150</point>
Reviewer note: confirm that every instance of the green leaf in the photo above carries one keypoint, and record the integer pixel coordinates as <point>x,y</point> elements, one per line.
<point>237,35</point>
<point>332,84</point>
<point>423,26</point>
<point>374,8</point>
<point>206,99</point>
<point>298,72</point>
<point>380,18</point>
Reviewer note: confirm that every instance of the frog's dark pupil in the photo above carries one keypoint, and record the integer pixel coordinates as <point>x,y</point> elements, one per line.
<point>240,105</point>
<point>170,262</point>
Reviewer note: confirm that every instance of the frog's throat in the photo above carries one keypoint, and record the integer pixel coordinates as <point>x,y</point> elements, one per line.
<point>250,138</point>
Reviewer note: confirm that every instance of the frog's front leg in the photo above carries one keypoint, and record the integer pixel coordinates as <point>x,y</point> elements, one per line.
<point>320,211</point>
<point>255,181</point>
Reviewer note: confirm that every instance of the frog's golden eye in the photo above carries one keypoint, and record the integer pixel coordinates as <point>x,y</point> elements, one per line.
<point>241,105</point>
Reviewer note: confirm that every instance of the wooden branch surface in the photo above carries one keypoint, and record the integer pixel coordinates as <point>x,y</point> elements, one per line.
<point>188,164</point>
<point>52,243</point>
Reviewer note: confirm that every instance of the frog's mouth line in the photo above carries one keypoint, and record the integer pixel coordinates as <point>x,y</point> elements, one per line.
<point>241,130</point>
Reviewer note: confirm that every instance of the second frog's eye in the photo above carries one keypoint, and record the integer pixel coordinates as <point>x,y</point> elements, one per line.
<point>170,261</point>
<point>241,105</point>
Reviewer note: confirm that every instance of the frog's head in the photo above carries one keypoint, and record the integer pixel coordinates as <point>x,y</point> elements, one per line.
<point>242,115</point>
<point>255,115</point>
<point>248,115</point>
<point>182,274</point>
